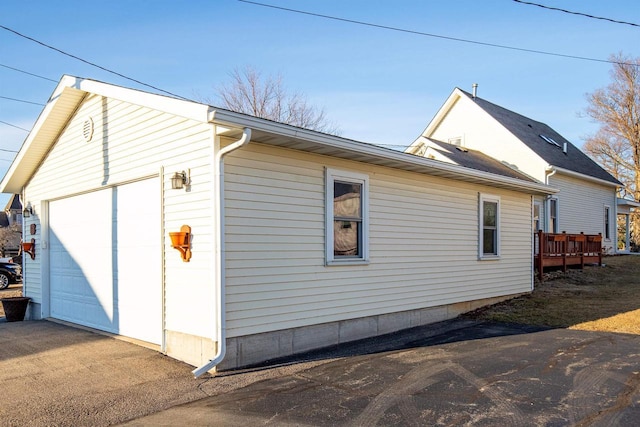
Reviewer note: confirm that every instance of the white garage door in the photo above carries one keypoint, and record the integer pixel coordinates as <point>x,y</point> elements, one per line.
<point>105,260</point>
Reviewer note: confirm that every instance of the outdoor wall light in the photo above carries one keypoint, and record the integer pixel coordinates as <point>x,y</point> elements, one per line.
<point>180,179</point>
<point>181,240</point>
<point>28,211</point>
<point>30,248</point>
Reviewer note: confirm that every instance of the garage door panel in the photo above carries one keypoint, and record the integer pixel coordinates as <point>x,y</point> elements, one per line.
<point>81,277</point>
<point>138,301</point>
<point>105,265</point>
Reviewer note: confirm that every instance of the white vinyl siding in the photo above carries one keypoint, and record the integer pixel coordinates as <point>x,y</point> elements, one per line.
<point>581,204</point>
<point>423,243</point>
<point>129,143</point>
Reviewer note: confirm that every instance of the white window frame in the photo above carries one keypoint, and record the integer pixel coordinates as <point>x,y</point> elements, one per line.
<point>332,175</point>
<point>492,199</point>
<point>607,223</point>
<point>539,226</point>
<point>555,223</point>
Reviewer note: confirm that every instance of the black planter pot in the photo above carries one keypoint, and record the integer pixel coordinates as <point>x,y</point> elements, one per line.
<point>15,308</point>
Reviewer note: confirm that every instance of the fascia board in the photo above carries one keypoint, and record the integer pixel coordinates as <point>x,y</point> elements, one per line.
<point>427,166</point>
<point>179,107</point>
<point>442,112</point>
<point>33,150</point>
<point>629,203</point>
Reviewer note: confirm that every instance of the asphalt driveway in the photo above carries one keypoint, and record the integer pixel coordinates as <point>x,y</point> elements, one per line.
<point>479,374</point>
<point>454,373</point>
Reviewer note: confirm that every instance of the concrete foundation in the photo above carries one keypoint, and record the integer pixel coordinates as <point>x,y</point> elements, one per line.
<point>252,349</point>
<point>191,349</point>
<point>258,348</point>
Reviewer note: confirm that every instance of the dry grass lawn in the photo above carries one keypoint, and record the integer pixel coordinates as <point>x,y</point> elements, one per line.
<point>595,299</point>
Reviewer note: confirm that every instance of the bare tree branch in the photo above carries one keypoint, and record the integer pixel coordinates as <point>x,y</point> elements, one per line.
<point>248,92</point>
<point>616,145</point>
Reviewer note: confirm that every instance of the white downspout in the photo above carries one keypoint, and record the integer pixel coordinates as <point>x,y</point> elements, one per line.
<point>220,251</point>
<point>549,172</point>
<point>23,263</point>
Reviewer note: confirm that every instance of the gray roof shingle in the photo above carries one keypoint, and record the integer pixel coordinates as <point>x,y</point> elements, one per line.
<point>477,160</point>
<point>14,203</point>
<point>529,132</point>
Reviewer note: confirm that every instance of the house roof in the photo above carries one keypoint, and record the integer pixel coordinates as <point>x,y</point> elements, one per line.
<point>4,219</point>
<point>477,160</point>
<point>71,91</point>
<point>14,203</point>
<point>544,141</point>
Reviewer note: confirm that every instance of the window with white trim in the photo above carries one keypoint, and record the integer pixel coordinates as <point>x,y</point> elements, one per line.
<point>489,227</point>
<point>537,211</point>
<point>607,222</point>
<point>347,228</point>
<point>553,216</point>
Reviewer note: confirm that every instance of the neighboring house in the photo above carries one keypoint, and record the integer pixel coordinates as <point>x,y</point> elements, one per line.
<point>10,225</point>
<point>298,240</point>
<point>13,210</point>
<point>586,200</point>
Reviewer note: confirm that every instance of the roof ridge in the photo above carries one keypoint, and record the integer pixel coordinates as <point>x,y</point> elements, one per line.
<point>506,109</point>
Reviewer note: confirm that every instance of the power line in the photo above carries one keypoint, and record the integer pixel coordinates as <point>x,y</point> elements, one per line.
<point>26,72</point>
<point>420,33</point>
<point>21,100</point>
<point>577,13</point>
<point>8,151</point>
<point>91,63</point>
<point>14,126</point>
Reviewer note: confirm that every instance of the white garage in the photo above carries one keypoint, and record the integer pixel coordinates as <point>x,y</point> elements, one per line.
<point>105,258</point>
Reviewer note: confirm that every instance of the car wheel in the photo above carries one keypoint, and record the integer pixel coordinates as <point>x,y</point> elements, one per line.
<point>4,281</point>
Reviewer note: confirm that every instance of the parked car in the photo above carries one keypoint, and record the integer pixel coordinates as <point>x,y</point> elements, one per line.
<point>10,272</point>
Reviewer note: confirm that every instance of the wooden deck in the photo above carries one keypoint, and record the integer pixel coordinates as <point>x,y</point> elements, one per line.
<point>563,250</point>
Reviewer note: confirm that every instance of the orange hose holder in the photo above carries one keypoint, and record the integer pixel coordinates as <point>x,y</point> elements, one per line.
<point>181,240</point>
<point>30,248</point>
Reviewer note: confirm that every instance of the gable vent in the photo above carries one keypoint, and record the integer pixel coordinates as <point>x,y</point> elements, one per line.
<point>87,129</point>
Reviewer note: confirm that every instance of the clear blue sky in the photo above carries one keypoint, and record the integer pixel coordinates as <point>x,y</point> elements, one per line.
<point>380,86</point>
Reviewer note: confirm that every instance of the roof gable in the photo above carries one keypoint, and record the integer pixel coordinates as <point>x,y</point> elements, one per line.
<point>72,90</point>
<point>544,141</point>
<point>14,203</point>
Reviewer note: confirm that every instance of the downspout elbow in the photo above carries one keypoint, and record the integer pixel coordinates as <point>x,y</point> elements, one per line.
<point>549,172</point>
<point>220,276</point>
<point>244,140</point>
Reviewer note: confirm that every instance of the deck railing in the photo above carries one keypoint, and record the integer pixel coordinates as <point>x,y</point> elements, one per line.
<point>563,249</point>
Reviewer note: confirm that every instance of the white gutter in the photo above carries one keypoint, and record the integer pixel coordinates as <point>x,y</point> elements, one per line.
<point>369,153</point>
<point>220,252</point>
<point>554,169</point>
